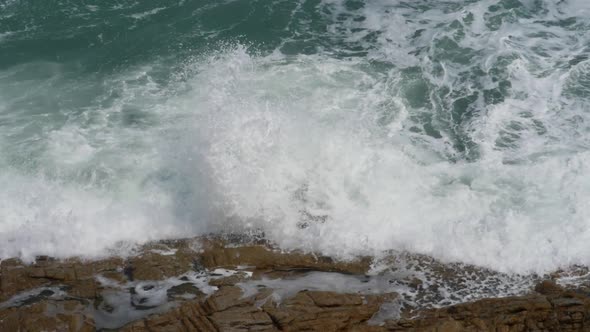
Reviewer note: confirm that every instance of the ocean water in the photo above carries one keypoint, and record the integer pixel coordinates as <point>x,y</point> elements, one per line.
<point>458,129</point>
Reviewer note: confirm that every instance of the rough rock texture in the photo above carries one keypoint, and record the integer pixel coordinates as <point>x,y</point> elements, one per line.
<point>325,311</point>
<point>551,308</point>
<point>226,310</point>
<point>81,282</point>
<point>77,276</point>
<point>44,316</point>
<point>51,295</point>
<point>152,264</point>
<point>215,254</point>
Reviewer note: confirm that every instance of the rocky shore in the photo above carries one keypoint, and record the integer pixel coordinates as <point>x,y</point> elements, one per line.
<point>208,285</point>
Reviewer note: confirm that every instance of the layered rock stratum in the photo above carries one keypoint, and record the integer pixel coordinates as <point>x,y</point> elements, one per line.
<point>208,285</point>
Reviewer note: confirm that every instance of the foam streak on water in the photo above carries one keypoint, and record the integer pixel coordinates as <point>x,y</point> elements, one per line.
<point>457,129</point>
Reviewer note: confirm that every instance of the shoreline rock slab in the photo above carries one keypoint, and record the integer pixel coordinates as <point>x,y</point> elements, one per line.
<point>227,310</point>
<point>551,308</point>
<point>195,292</point>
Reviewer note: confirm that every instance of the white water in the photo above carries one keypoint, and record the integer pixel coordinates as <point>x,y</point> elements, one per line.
<point>318,151</point>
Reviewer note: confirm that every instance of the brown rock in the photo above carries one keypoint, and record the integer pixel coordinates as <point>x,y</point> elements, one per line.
<point>40,317</point>
<point>450,326</point>
<point>188,317</point>
<point>550,308</point>
<point>242,318</point>
<point>548,287</point>
<point>228,281</point>
<point>226,297</point>
<point>117,276</point>
<point>14,278</point>
<point>558,310</point>
<point>37,272</point>
<point>215,254</point>
<point>331,299</point>
<point>154,266</point>
<point>86,288</point>
<point>323,311</point>
<point>176,292</point>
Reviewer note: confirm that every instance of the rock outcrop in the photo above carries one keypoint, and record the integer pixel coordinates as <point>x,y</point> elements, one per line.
<point>216,254</point>
<point>193,295</point>
<point>552,308</point>
<point>559,310</point>
<point>226,310</point>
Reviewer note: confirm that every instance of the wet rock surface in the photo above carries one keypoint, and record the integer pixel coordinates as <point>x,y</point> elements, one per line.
<point>228,310</point>
<point>47,315</point>
<point>216,254</point>
<point>551,308</point>
<point>208,286</point>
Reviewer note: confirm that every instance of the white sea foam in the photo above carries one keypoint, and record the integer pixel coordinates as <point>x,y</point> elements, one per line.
<point>330,154</point>
<point>310,166</point>
<point>145,14</point>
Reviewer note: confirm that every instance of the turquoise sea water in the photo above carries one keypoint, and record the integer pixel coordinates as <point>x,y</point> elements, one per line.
<point>457,129</point>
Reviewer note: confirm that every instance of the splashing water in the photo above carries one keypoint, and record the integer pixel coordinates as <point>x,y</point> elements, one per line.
<point>456,129</point>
